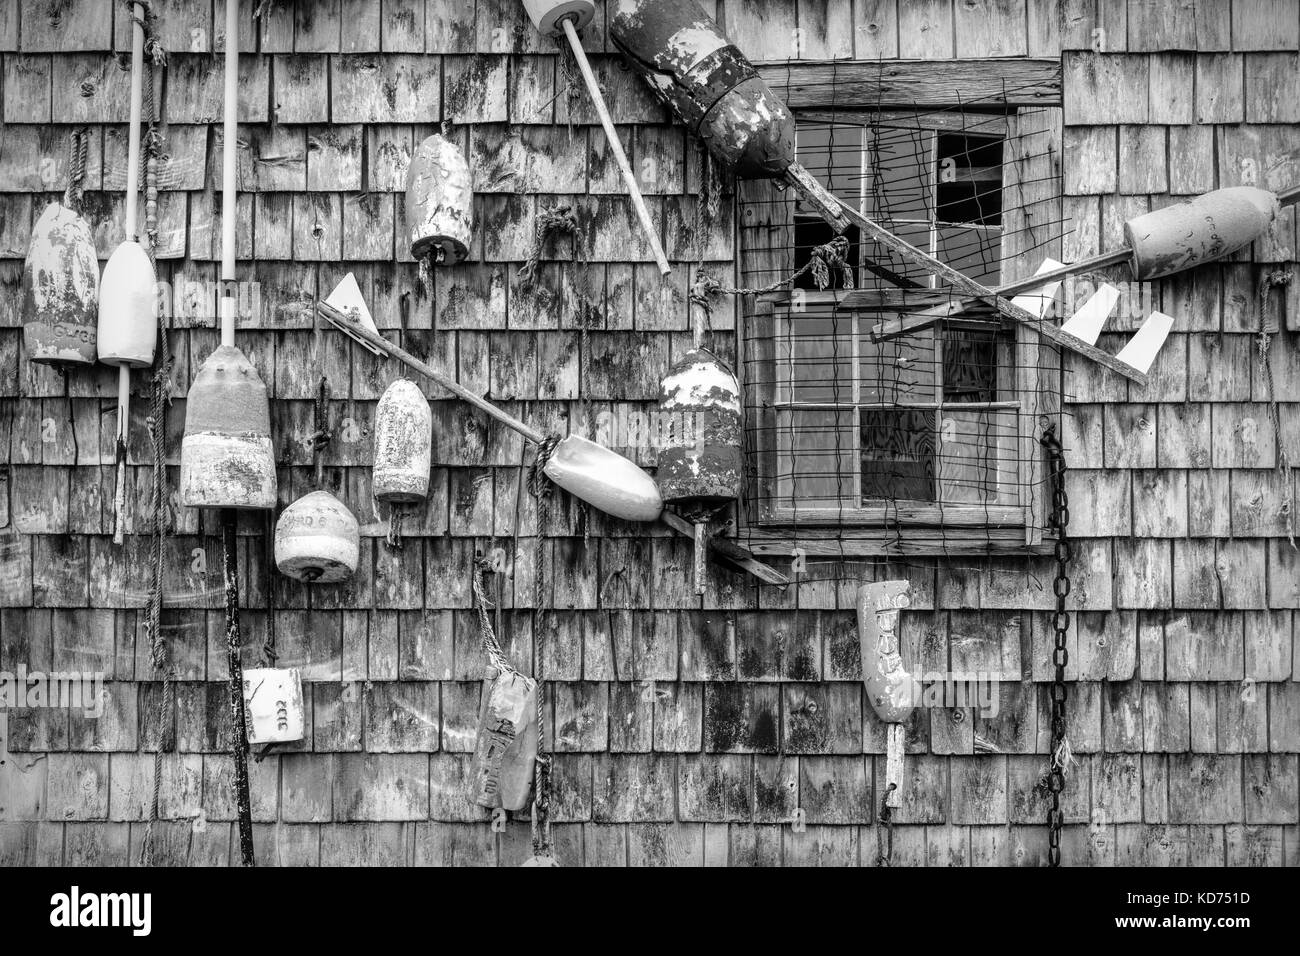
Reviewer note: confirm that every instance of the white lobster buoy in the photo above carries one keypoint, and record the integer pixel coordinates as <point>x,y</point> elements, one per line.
<point>60,289</point>
<point>605,479</point>
<point>128,326</point>
<point>226,456</point>
<point>403,444</point>
<point>317,540</point>
<point>1203,229</point>
<point>273,705</point>
<point>547,14</point>
<point>439,201</point>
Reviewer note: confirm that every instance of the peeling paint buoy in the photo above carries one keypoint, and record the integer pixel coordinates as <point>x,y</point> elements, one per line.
<point>505,746</point>
<point>403,445</point>
<point>1203,229</point>
<point>128,325</point>
<point>227,460</point>
<point>439,201</point>
<point>317,540</point>
<point>701,465</point>
<point>60,289</point>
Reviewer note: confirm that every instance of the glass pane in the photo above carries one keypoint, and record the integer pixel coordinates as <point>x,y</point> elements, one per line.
<point>974,252</point>
<point>898,174</point>
<point>977,457</point>
<point>832,153</point>
<point>815,450</point>
<point>889,265</point>
<point>969,179</point>
<point>898,371</point>
<point>813,231</point>
<point>815,357</point>
<point>898,456</point>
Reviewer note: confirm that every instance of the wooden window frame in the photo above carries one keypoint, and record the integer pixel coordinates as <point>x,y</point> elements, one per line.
<point>1032,116</point>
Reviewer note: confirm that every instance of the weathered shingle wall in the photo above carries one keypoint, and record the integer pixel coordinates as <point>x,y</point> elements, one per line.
<point>685,732</point>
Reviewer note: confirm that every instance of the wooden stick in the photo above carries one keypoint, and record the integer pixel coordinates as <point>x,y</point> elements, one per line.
<point>616,145</point>
<point>132,205</point>
<point>1004,305</point>
<point>229,182</point>
<point>729,551</point>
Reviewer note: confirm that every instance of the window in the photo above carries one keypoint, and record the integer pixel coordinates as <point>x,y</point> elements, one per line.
<point>863,423</point>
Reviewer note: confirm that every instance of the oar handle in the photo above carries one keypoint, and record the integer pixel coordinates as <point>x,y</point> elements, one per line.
<point>616,146</point>
<point>343,321</point>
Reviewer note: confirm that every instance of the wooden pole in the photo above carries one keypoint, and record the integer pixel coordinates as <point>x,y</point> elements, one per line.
<point>132,231</point>
<point>616,146</point>
<point>230,567</point>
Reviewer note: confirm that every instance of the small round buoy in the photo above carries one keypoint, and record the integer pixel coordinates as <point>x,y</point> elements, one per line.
<point>547,14</point>
<point>403,445</point>
<point>60,289</point>
<point>227,460</point>
<point>700,455</point>
<point>439,201</point>
<point>707,82</point>
<point>128,323</point>
<point>317,540</point>
<point>1209,227</point>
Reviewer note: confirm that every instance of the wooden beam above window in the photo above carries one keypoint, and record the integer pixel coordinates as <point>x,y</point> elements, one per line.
<point>855,84</point>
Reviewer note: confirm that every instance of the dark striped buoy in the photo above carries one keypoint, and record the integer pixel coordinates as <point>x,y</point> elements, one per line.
<point>701,464</point>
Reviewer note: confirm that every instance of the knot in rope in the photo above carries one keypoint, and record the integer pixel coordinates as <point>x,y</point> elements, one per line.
<point>556,221</point>
<point>828,257</point>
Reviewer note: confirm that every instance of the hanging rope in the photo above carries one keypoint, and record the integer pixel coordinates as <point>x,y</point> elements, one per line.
<point>571,82</point>
<point>823,262</point>
<point>553,222</point>
<point>1277,279</point>
<point>885,830</point>
<point>160,401</point>
<point>77,150</point>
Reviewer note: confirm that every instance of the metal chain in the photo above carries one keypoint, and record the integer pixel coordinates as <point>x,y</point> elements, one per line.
<point>1064,553</point>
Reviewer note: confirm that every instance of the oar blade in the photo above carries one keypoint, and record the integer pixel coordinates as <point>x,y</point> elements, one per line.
<point>347,298</point>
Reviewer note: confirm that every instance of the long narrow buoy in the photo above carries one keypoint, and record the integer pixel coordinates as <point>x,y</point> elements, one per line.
<point>558,18</point>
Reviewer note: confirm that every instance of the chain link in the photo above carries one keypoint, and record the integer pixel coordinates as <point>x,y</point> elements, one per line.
<point>1064,552</point>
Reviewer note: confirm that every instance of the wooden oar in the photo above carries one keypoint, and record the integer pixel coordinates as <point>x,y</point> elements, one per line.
<point>728,550</point>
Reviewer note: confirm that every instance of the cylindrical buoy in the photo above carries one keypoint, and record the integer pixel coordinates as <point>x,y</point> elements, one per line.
<point>227,460</point>
<point>605,479</point>
<point>403,445</point>
<point>439,201</point>
<point>1200,230</point>
<point>701,465</point>
<point>700,454</point>
<point>505,746</point>
<point>707,82</point>
<point>317,540</point>
<point>60,289</point>
<point>891,690</point>
<point>548,14</point>
<point>128,324</point>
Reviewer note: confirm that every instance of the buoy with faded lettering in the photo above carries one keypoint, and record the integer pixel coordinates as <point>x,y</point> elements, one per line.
<point>505,745</point>
<point>227,460</point>
<point>273,705</point>
<point>439,202</point>
<point>403,445</point>
<point>1203,229</point>
<point>712,87</point>
<point>60,289</point>
<point>701,454</point>
<point>317,540</point>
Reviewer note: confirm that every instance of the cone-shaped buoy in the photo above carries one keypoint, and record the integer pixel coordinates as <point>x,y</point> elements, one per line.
<point>1200,230</point>
<point>439,201</point>
<point>317,540</point>
<point>60,289</point>
<point>128,323</point>
<point>226,456</point>
<point>403,444</point>
<point>604,478</point>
